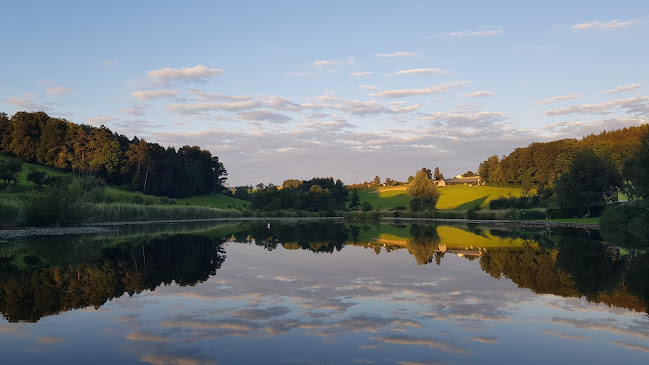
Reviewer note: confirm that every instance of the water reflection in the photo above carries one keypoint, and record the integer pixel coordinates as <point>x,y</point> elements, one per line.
<point>392,293</point>
<point>104,273</point>
<point>43,275</point>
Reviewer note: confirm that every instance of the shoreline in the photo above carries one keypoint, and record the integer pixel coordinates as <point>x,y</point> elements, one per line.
<point>99,227</point>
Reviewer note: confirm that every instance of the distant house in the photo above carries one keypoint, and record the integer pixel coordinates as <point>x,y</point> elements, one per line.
<point>473,180</point>
<point>440,182</point>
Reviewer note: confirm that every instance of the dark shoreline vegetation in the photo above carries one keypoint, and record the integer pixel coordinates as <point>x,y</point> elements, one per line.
<point>59,173</point>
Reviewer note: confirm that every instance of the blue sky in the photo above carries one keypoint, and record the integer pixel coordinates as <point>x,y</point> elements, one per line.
<point>349,89</point>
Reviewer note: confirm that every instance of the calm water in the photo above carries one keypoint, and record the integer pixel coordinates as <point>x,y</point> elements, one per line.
<point>322,293</point>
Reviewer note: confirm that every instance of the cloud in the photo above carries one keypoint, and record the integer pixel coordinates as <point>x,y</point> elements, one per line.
<point>484,339</point>
<point>132,111</point>
<point>397,55</point>
<point>28,103</point>
<point>257,314</point>
<point>168,359</point>
<point>562,335</point>
<point>405,340</point>
<point>360,74</point>
<point>58,90</point>
<point>50,340</point>
<point>478,94</point>
<point>637,104</point>
<point>334,63</point>
<point>422,71</point>
<point>202,107</point>
<point>620,89</point>
<point>147,337</point>
<point>110,63</point>
<point>471,33</point>
<point>264,115</point>
<point>197,73</point>
<point>631,346</point>
<point>154,94</point>
<point>357,107</point>
<point>96,121</point>
<point>440,88</point>
<point>557,98</point>
<point>606,25</point>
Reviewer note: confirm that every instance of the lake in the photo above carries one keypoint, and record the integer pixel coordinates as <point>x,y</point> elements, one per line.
<point>321,292</point>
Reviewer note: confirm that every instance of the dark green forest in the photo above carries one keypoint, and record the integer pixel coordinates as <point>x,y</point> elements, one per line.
<point>134,164</point>
<point>542,163</point>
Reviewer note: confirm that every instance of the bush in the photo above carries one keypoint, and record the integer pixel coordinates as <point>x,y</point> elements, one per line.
<point>626,224</point>
<point>366,207</point>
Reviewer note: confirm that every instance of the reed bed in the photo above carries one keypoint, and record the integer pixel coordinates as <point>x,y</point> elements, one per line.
<point>104,212</point>
<point>12,212</point>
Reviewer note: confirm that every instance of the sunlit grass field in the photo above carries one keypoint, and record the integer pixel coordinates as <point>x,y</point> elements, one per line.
<point>451,197</point>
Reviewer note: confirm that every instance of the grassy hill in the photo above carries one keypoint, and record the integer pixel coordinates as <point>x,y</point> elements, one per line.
<point>451,197</point>
<point>25,188</point>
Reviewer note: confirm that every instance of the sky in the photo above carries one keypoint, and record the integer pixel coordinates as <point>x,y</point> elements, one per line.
<point>348,89</point>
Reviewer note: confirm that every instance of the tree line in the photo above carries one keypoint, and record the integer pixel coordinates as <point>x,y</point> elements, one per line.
<point>134,164</point>
<point>542,163</point>
<point>319,194</point>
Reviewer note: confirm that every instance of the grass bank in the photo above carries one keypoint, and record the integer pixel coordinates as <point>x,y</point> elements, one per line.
<point>456,197</point>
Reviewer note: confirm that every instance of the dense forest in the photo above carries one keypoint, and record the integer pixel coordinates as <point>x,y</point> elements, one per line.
<point>318,194</point>
<point>541,163</point>
<point>131,163</point>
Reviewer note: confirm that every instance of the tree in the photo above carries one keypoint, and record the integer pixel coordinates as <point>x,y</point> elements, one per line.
<point>469,174</point>
<point>9,171</point>
<point>636,171</point>
<point>36,177</point>
<point>366,207</point>
<point>354,200</point>
<point>423,192</point>
<point>437,175</point>
<point>588,182</point>
<point>377,180</point>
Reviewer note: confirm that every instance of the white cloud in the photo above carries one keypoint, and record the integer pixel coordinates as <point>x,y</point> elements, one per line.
<point>201,107</point>
<point>264,115</point>
<point>466,119</point>
<point>606,25</point>
<point>471,33</point>
<point>197,73</point>
<point>368,87</point>
<point>96,121</point>
<point>58,90</point>
<point>360,74</point>
<point>132,111</point>
<point>558,98</point>
<point>623,88</point>
<point>478,94</point>
<point>334,63</point>
<point>357,107</point>
<point>440,88</point>
<point>637,104</point>
<point>27,102</point>
<point>400,54</point>
<point>422,71</point>
<point>154,94</point>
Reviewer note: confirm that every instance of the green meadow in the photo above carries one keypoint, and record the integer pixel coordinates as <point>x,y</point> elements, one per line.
<point>460,197</point>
